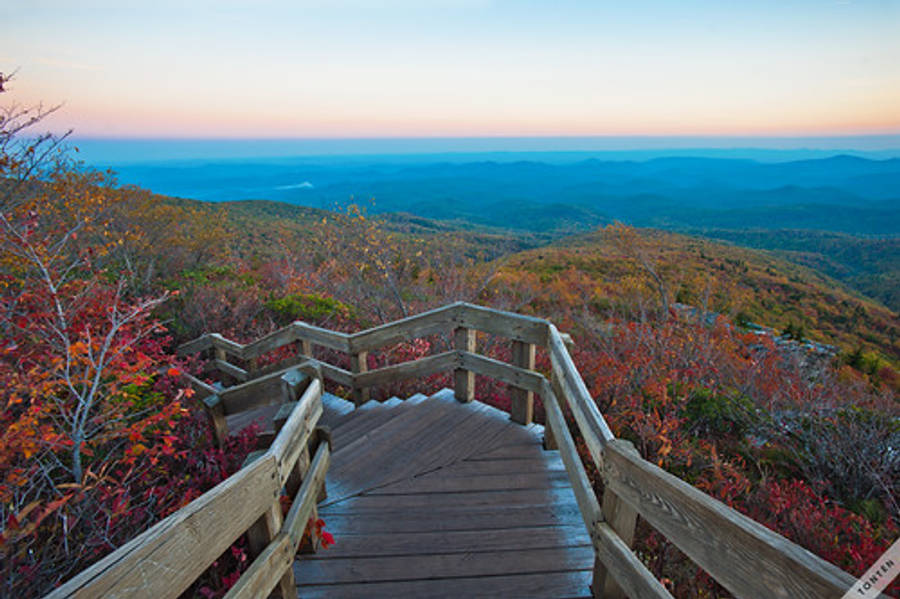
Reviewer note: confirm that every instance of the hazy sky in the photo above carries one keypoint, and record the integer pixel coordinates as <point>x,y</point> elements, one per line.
<point>355,68</point>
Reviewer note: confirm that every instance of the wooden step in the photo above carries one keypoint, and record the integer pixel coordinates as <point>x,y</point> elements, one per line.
<point>334,408</point>
<point>522,586</point>
<point>394,401</point>
<point>445,565</point>
<point>359,424</point>
<point>341,520</point>
<point>391,447</point>
<point>417,398</point>
<point>418,543</point>
<point>444,499</point>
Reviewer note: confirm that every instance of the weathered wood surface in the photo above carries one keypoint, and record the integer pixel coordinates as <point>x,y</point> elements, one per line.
<point>591,423</point>
<point>407,370</point>
<point>420,325</point>
<point>522,408</point>
<point>504,324</point>
<point>167,558</point>
<point>359,365</point>
<point>581,485</point>
<point>734,549</point>
<point>744,556</point>
<point>501,371</point>
<point>622,519</point>
<point>412,513</point>
<point>272,567</point>
<point>520,586</point>
<point>464,380</point>
<point>231,370</point>
<point>323,337</point>
<point>292,438</point>
<point>630,573</point>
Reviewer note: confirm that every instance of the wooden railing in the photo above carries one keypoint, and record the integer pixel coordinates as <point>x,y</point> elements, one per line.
<point>745,557</point>
<point>166,559</point>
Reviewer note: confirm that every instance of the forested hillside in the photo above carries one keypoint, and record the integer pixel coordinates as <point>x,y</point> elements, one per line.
<point>99,283</point>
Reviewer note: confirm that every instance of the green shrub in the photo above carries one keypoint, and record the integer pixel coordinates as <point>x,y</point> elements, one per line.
<point>307,306</point>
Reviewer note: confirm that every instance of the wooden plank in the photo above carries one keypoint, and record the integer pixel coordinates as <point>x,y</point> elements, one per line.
<point>343,521</point>
<point>446,565</point>
<point>323,337</point>
<point>507,373</point>
<point>262,391</point>
<point>459,500</point>
<point>266,571</point>
<point>464,541</point>
<point>511,452</point>
<point>631,574</point>
<point>463,379</point>
<point>419,368</point>
<point>470,468</point>
<point>744,556</point>
<point>336,375</point>
<point>201,388</point>
<point>267,343</point>
<point>521,586</point>
<point>581,485</point>
<point>590,422</point>
<point>259,536</point>
<point>231,370</point>
<point>438,482</point>
<point>506,324</point>
<point>622,519</point>
<point>522,408</point>
<point>291,440</point>
<point>201,343</point>
<point>412,327</point>
<point>167,558</point>
<point>307,496</point>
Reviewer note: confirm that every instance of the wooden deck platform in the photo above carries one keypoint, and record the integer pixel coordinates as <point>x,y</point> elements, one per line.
<point>433,498</point>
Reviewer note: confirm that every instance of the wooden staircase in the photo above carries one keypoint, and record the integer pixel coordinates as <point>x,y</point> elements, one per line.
<point>422,509</point>
<point>439,496</point>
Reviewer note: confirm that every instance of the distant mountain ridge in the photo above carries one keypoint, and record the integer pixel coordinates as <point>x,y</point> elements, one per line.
<point>841,193</point>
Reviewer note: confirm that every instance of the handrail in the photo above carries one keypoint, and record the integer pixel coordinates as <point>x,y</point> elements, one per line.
<point>167,558</point>
<point>744,556</point>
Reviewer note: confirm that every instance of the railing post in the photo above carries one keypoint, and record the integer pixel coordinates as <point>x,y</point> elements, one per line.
<point>359,365</point>
<point>549,435</point>
<point>622,518</point>
<point>306,348</point>
<point>260,535</point>
<point>464,380</point>
<point>212,404</point>
<point>522,410</point>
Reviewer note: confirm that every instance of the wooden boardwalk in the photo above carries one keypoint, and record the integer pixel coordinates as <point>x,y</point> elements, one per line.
<point>433,498</point>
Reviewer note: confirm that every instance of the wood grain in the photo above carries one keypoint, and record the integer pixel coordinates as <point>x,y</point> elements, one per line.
<point>744,556</point>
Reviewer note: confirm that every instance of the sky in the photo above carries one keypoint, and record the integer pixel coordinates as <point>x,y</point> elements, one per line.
<point>457,68</point>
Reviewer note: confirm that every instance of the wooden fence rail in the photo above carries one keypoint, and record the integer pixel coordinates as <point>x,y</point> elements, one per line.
<point>167,558</point>
<point>745,557</point>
